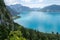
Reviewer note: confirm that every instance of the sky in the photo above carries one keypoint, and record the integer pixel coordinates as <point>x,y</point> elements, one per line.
<point>33,3</point>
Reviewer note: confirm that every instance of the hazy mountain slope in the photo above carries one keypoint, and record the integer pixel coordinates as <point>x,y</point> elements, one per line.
<point>12,11</point>
<point>19,8</point>
<point>51,8</point>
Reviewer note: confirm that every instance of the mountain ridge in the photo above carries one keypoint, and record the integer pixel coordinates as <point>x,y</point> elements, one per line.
<point>19,8</point>
<point>51,8</point>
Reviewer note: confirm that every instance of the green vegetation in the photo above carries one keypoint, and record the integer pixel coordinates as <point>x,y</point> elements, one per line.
<point>30,34</point>
<point>15,17</point>
<point>12,31</point>
<point>5,21</point>
<point>16,35</point>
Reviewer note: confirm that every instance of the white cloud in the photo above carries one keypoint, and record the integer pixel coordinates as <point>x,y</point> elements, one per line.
<point>10,2</point>
<point>32,3</point>
<point>29,3</point>
<point>41,0</point>
<point>26,0</point>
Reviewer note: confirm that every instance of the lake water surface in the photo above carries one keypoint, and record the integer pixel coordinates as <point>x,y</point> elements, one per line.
<point>41,21</point>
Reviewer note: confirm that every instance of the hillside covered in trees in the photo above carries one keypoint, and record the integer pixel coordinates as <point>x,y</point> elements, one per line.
<point>13,31</point>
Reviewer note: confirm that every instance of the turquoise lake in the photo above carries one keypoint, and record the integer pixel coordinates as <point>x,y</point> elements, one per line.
<point>41,21</point>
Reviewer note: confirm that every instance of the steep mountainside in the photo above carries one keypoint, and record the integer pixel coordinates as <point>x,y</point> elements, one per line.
<point>6,22</point>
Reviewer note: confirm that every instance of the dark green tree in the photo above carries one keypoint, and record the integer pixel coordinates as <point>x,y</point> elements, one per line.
<point>57,36</point>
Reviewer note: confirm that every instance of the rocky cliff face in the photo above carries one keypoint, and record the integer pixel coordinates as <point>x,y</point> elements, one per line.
<point>6,23</point>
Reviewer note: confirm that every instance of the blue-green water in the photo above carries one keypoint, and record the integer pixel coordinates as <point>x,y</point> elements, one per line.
<point>41,21</point>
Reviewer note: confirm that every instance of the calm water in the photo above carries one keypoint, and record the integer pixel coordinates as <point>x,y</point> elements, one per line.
<point>41,21</point>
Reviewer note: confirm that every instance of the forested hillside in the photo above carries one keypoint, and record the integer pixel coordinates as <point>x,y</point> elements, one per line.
<point>13,31</point>
<point>6,22</point>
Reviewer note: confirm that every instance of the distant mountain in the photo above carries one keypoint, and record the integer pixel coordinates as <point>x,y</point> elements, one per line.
<point>51,8</point>
<point>19,8</point>
<point>12,11</point>
<point>35,9</point>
